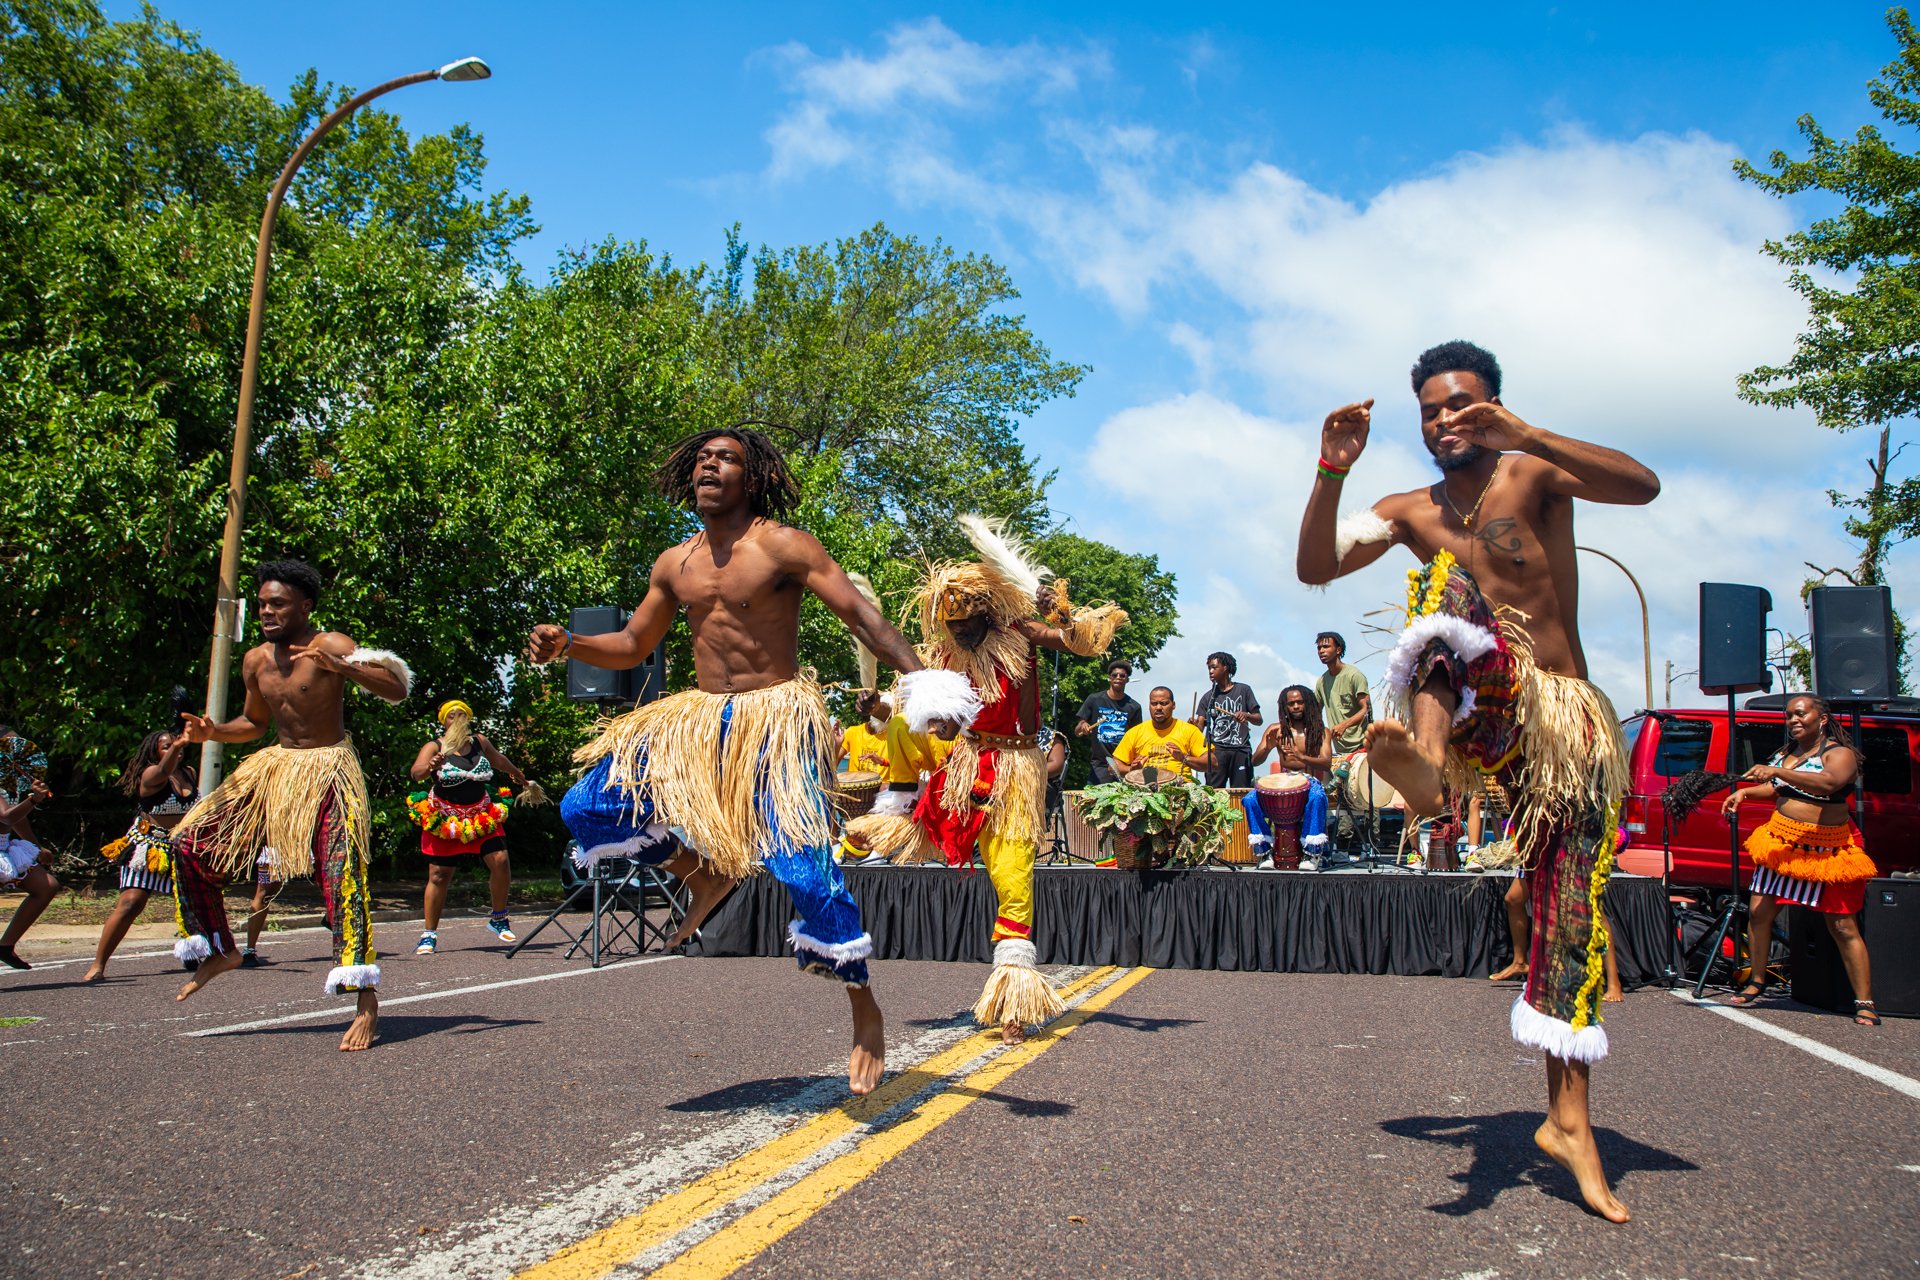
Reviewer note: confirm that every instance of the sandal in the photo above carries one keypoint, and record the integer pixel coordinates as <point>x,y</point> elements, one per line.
<point>1751,994</point>
<point>1864,1014</point>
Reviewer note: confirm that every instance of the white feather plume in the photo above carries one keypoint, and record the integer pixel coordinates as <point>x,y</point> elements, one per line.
<point>864,658</point>
<point>1004,553</point>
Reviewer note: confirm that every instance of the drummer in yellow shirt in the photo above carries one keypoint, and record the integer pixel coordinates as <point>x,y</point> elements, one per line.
<point>1162,741</point>
<point>863,746</point>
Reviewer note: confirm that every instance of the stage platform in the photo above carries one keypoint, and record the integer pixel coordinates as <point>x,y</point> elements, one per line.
<point>1451,924</point>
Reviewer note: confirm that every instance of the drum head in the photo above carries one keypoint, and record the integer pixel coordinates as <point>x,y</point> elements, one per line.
<point>1282,782</point>
<point>859,780</point>
<point>1364,789</point>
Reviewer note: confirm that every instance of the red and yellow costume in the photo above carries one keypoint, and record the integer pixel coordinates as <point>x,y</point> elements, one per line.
<point>991,790</point>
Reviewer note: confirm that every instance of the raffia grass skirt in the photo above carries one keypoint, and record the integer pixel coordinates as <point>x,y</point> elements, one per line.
<point>738,781</point>
<point>274,798</point>
<point>1016,809</point>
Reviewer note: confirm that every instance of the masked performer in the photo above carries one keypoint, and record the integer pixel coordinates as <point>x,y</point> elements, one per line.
<point>305,795</point>
<point>978,620</point>
<point>462,814</point>
<point>1809,852</point>
<point>717,780</point>
<point>1477,693</point>
<point>161,784</point>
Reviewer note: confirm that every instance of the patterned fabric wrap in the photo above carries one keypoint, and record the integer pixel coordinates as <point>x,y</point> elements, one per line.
<point>1452,631</point>
<point>145,854</point>
<point>1808,851</point>
<point>610,820</point>
<point>340,865</point>
<point>1559,1011</point>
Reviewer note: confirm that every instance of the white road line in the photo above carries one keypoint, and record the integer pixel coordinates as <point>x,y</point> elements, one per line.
<point>1827,1053</point>
<point>520,1235</point>
<point>345,1013</point>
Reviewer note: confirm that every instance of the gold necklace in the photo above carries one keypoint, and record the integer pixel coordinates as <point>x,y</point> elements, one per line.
<point>1466,521</point>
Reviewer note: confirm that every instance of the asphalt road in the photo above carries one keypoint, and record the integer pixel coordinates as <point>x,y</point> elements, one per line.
<point>691,1116</point>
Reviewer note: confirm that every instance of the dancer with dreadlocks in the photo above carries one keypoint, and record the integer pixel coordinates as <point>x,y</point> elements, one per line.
<point>1809,851</point>
<point>161,785</point>
<point>305,795</point>
<point>1477,693</point>
<point>978,620</point>
<point>652,790</point>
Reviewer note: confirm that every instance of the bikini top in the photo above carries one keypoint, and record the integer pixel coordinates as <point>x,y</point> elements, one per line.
<point>166,803</point>
<point>455,770</point>
<point>1812,764</point>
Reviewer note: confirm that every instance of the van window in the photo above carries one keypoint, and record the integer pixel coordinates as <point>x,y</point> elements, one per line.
<point>1683,746</point>
<point>1630,730</point>
<point>1755,744</point>
<point>1886,762</point>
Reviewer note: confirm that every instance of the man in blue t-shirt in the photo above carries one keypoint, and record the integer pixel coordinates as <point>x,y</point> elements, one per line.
<point>1106,717</point>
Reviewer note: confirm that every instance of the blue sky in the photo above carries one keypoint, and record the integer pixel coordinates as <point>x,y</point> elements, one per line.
<point>1240,225</point>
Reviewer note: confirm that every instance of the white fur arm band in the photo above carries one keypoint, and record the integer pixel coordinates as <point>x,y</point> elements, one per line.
<point>1356,528</point>
<point>388,660</point>
<point>933,694</point>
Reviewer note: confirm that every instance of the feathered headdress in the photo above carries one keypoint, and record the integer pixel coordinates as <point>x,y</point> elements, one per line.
<point>865,660</point>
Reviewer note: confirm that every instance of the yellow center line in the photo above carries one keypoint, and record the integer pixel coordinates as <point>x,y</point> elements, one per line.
<point>620,1242</point>
<point>737,1244</point>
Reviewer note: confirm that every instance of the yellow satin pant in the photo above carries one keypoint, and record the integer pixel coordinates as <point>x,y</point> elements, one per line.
<point>1010,867</point>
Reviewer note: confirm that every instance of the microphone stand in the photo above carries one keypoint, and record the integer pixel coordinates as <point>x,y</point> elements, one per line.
<point>1736,903</point>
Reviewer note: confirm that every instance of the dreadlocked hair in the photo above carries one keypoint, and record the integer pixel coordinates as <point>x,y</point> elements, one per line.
<point>147,756</point>
<point>1684,794</point>
<point>1315,729</point>
<point>771,489</point>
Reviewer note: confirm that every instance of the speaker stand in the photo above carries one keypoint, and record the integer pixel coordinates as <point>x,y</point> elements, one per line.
<point>1736,908</point>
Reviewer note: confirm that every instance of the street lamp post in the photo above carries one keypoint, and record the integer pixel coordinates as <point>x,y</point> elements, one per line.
<point>1646,626</point>
<point>226,605</point>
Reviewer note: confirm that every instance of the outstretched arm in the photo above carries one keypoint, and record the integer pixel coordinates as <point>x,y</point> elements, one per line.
<point>1581,469</point>
<point>502,764</point>
<point>251,723</point>
<point>378,671</point>
<point>1838,765</point>
<point>1320,557</point>
<point>825,578</point>
<point>622,650</point>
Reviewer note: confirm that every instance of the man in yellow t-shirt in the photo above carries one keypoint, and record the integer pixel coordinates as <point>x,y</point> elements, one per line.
<point>863,746</point>
<point>1162,741</point>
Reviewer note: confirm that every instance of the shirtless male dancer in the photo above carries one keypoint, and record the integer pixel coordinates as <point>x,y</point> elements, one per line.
<point>1491,677</point>
<point>305,795</point>
<point>755,714</point>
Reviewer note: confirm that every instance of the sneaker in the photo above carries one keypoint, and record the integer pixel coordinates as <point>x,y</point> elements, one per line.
<point>429,943</point>
<point>249,959</point>
<point>1309,864</point>
<point>1266,864</point>
<point>501,929</point>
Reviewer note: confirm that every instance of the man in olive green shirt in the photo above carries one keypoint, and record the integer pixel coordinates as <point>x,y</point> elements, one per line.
<point>1342,690</point>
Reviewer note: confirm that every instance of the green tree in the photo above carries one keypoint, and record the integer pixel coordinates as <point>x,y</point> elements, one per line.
<point>1858,362</point>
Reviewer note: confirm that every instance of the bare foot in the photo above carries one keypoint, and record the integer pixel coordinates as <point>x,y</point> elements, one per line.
<point>210,968</point>
<point>1518,969</point>
<point>1395,756</point>
<point>1614,995</point>
<point>1013,1032</point>
<point>705,891</point>
<point>1581,1158</point>
<point>869,1057</point>
<point>95,972</point>
<point>366,1024</point>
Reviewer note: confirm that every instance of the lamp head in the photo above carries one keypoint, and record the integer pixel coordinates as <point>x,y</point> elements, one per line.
<point>466,69</point>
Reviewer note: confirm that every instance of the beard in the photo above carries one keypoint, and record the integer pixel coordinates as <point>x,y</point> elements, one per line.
<point>1465,458</point>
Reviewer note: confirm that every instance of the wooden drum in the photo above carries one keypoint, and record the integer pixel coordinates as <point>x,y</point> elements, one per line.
<point>854,794</point>
<point>1283,799</point>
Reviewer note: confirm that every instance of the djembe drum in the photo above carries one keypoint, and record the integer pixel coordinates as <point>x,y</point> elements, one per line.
<point>1283,799</point>
<point>854,794</point>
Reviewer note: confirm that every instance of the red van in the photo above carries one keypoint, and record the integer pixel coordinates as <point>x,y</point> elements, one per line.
<point>1663,745</point>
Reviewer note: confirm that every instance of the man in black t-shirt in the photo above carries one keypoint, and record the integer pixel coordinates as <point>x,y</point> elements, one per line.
<point>1226,711</point>
<point>1106,717</point>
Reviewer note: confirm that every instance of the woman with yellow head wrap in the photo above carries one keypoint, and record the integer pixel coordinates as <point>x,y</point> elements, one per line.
<point>463,812</point>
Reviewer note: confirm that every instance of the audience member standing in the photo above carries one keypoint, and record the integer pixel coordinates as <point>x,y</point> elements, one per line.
<point>1342,690</point>
<point>1106,717</point>
<point>1225,712</point>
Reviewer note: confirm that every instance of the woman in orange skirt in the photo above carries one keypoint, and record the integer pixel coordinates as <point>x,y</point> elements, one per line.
<point>1809,852</point>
